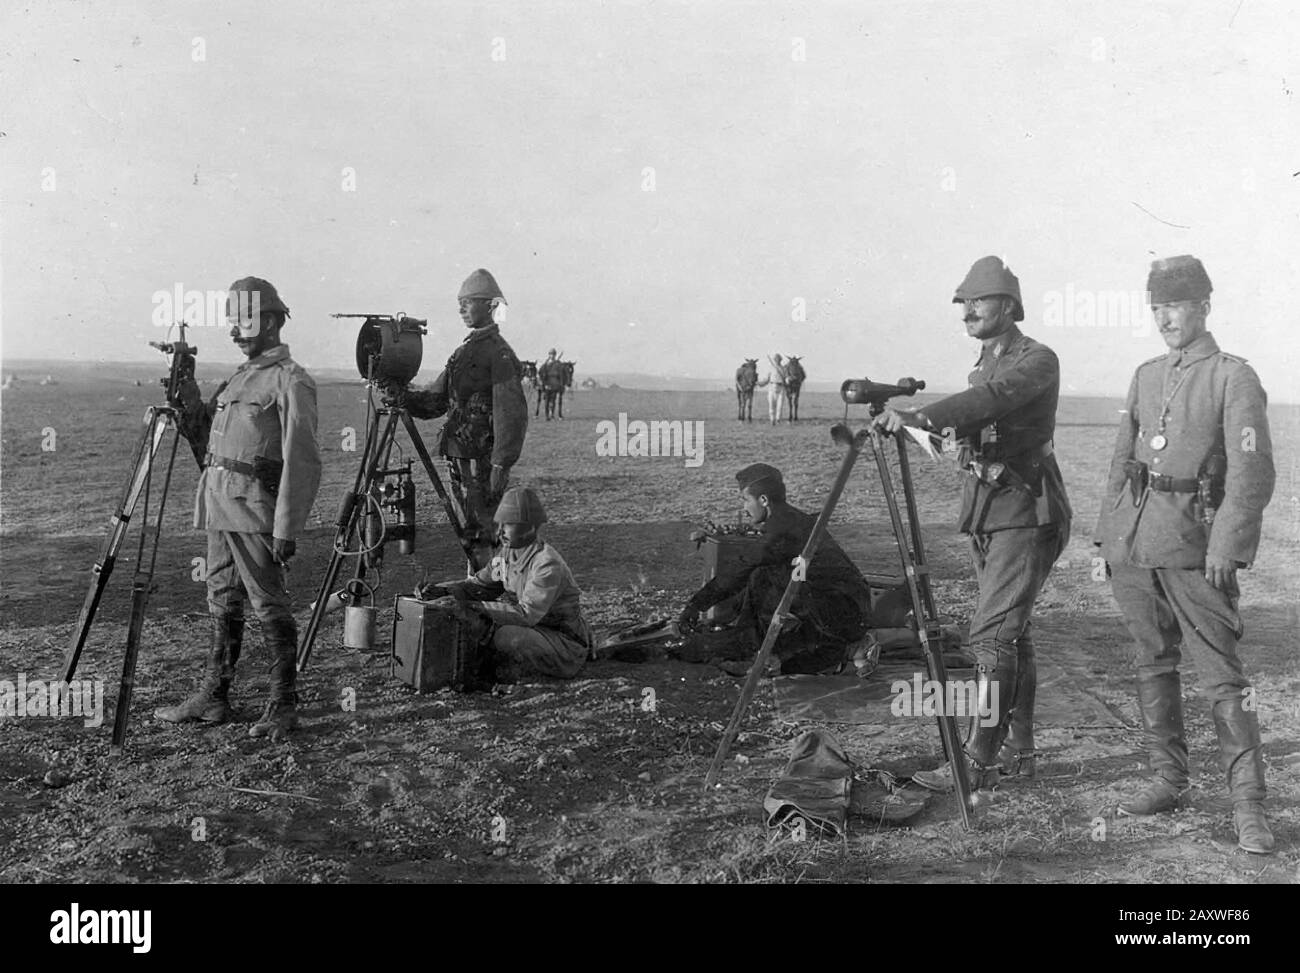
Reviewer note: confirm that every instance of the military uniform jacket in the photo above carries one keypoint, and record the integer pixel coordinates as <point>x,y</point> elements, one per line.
<point>1008,415</point>
<point>531,586</point>
<point>480,393</point>
<point>785,532</point>
<point>1216,406</point>
<point>265,412</point>
<point>551,374</point>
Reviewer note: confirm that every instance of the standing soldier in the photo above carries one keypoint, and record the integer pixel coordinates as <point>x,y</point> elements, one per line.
<point>487,414</point>
<point>261,469</point>
<point>1014,509</point>
<point>1189,481</point>
<point>550,380</point>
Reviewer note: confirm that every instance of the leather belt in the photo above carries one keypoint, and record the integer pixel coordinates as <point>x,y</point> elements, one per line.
<point>216,462</point>
<point>1170,484</point>
<point>995,455</point>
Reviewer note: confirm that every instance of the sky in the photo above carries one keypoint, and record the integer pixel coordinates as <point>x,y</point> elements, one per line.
<point>658,187</point>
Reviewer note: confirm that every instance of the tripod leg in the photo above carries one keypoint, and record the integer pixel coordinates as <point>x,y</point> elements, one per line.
<point>156,426</point>
<point>774,626</point>
<point>345,526</point>
<point>455,516</point>
<point>918,586</point>
<point>140,599</point>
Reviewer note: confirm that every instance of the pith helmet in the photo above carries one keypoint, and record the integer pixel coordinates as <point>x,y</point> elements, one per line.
<point>480,284</point>
<point>254,289</point>
<point>520,505</point>
<point>990,277</point>
<point>1181,278</point>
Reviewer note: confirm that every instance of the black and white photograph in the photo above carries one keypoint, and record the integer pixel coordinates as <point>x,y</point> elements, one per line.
<point>651,442</point>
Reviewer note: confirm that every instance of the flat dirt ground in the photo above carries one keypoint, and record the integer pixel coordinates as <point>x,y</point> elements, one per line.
<point>570,782</point>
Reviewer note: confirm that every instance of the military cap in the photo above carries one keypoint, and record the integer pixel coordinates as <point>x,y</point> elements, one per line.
<point>1181,278</point>
<point>756,473</point>
<point>480,284</point>
<point>990,277</point>
<point>520,505</point>
<point>262,292</point>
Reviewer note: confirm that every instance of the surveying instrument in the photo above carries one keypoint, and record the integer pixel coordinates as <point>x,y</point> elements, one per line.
<point>158,421</point>
<point>911,552</point>
<point>389,351</point>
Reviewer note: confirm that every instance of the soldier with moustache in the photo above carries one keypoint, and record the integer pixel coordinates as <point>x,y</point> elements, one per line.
<point>1189,480</point>
<point>1014,511</point>
<point>487,413</point>
<point>256,440</point>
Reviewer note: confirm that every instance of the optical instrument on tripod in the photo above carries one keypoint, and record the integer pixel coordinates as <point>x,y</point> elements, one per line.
<point>158,419</point>
<point>389,351</point>
<point>911,552</point>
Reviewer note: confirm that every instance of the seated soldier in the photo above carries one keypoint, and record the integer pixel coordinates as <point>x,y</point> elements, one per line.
<point>524,604</point>
<point>832,608</point>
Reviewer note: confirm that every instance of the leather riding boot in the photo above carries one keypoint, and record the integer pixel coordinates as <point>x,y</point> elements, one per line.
<point>211,704</point>
<point>1242,758</point>
<point>280,716</point>
<point>1160,697</point>
<point>997,689</point>
<point>1017,755</point>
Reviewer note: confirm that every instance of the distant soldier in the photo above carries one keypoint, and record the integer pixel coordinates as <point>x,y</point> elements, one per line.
<point>487,413</point>
<point>525,603</point>
<point>261,470</point>
<point>775,382</point>
<point>550,382</point>
<point>832,608</point>
<point>1189,481</point>
<point>1014,509</point>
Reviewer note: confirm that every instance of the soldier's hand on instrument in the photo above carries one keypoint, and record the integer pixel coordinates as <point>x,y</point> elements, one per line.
<point>188,397</point>
<point>428,590</point>
<point>786,621</point>
<point>282,550</point>
<point>891,420</point>
<point>688,619</point>
<point>1221,572</point>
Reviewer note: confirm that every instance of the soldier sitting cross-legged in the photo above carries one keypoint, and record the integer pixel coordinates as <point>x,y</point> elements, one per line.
<point>524,606</point>
<point>831,610</point>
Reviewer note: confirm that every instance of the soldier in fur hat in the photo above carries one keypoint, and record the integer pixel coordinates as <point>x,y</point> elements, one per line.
<point>1190,478</point>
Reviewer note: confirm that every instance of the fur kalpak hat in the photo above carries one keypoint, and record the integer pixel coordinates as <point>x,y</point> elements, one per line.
<point>1181,278</point>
